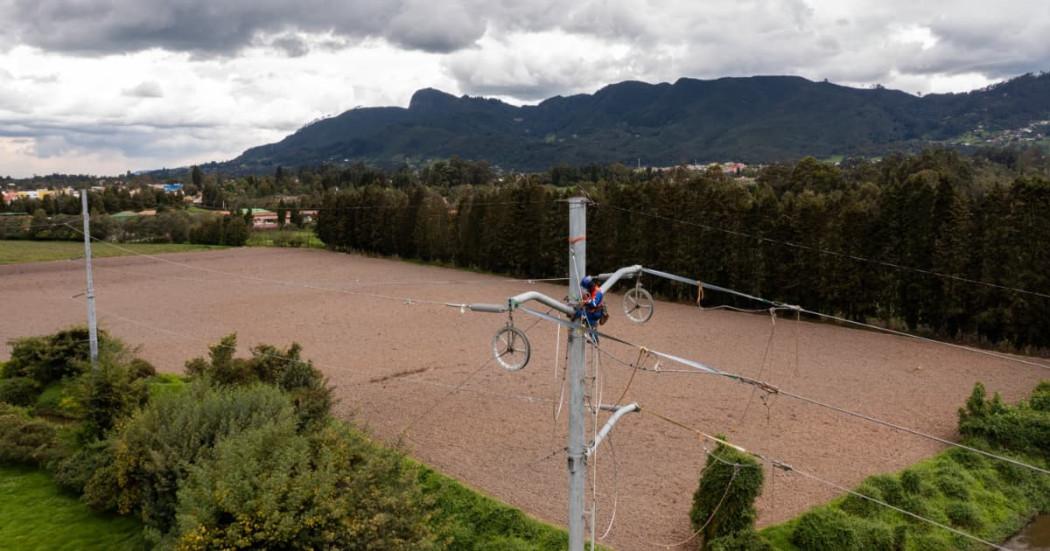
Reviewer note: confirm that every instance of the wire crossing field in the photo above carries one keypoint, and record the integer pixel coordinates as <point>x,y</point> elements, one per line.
<point>34,514</point>
<point>19,252</point>
<point>418,373</point>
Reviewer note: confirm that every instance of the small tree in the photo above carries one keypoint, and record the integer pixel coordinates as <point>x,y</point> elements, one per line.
<point>282,213</point>
<point>724,504</point>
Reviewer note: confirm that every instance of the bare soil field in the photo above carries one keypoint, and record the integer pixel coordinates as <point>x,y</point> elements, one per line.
<point>417,373</point>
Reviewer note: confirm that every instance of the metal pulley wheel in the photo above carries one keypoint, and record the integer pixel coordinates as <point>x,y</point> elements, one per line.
<point>638,305</point>
<point>511,348</point>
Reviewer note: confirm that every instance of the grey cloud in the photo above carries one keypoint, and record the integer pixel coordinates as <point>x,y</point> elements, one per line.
<point>291,45</point>
<point>56,138</point>
<point>147,89</point>
<point>209,28</point>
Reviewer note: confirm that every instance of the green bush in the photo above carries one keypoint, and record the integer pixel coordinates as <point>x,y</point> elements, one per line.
<point>470,521</point>
<point>165,383</point>
<point>1019,428</point>
<point>987,498</point>
<point>154,449</point>
<point>141,369</point>
<point>227,230</point>
<point>27,440</point>
<point>309,390</point>
<point>724,503</point>
<point>73,473</point>
<point>19,391</point>
<point>109,393</point>
<point>270,487</point>
<point>831,529</point>
<point>61,400</point>
<point>54,357</point>
<point>963,514</point>
<point>826,529</point>
<point>744,540</point>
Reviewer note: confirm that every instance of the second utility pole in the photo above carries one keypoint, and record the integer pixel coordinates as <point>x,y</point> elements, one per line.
<point>92,325</point>
<point>577,448</point>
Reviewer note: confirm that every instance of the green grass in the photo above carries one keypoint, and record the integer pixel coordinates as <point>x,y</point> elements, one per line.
<point>165,383</point>
<point>19,252</point>
<point>982,497</point>
<point>35,514</point>
<point>285,238</point>
<point>58,400</point>
<point>476,521</point>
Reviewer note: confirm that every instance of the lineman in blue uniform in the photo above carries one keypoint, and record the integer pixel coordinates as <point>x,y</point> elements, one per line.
<point>592,306</point>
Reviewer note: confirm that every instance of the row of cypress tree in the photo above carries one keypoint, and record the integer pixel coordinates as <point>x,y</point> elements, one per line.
<point>903,240</point>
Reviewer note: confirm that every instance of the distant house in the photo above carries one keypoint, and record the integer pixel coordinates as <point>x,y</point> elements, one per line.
<point>263,219</point>
<point>9,196</point>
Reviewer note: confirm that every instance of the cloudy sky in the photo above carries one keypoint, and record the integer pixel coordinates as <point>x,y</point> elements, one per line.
<point>105,86</point>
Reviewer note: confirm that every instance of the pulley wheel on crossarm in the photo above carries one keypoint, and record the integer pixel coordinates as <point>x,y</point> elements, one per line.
<point>638,305</point>
<point>511,348</point>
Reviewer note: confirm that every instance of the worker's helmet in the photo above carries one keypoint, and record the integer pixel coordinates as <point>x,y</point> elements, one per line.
<point>587,282</point>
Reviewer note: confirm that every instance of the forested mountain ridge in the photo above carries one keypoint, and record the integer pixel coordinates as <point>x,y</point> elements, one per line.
<point>754,119</point>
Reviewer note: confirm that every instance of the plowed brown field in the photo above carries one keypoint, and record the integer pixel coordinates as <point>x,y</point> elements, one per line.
<point>396,366</point>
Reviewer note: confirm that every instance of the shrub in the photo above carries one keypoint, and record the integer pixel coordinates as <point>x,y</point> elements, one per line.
<point>54,357</point>
<point>911,482</point>
<point>744,540</point>
<point>73,473</point>
<point>61,399</point>
<point>1040,400</point>
<point>19,391</point>
<point>825,529</point>
<point>27,440</point>
<point>963,514</point>
<point>309,390</point>
<point>228,230</point>
<point>154,449</point>
<point>724,503</point>
<point>222,368</point>
<point>1017,428</point>
<point>141,369</point>
<point>270,487</point>
<point>108,394</point>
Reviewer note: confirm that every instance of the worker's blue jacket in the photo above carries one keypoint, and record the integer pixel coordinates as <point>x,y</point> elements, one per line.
<point>592,306</point>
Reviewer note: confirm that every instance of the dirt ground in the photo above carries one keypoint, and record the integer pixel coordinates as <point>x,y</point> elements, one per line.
<point>397,366</point>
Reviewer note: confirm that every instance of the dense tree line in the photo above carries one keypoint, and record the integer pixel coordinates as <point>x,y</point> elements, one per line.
<point>795,233</point>
<point>111,200</point>
<point>169,226</point>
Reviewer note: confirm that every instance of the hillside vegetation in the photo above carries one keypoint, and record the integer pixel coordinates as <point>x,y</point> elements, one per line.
<point>241,453</point>
<point>755,119</point>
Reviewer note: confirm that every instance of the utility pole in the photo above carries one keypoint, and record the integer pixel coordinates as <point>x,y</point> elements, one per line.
<point>510,347</point>
<point>92,325</point>
<point>577,448</point>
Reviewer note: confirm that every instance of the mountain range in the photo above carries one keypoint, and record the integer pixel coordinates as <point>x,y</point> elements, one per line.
<point>751,119</point>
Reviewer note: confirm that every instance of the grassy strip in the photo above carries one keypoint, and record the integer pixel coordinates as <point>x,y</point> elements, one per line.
<point>474,521</point>
<point>987,498</point>
<point>34,514</point>
<point>285,238</point>
<point>20,252</point>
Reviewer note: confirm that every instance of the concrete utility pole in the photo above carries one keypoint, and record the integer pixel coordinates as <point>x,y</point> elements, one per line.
<point>510,347</point>
<point>92,325</point>
<point>577,448</point>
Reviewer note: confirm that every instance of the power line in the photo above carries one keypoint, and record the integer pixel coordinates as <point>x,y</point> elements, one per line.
<point>838,254</point>
<point>789,468</point>
<point>778,305</point>
<point>774,390</point>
